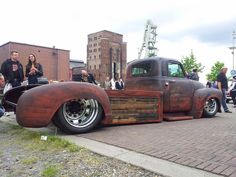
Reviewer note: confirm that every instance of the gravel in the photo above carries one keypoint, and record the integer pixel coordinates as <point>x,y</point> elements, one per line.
<point>22,157</point>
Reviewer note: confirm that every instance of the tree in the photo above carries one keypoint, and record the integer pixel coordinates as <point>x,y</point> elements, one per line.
<point>215,69</point>
<point>190,63</point>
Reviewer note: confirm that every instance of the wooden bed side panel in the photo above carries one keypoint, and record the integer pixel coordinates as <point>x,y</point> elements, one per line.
<point>136,106</point>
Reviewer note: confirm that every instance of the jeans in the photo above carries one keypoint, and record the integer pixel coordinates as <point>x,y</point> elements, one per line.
<point>225,107</point>
<point>2,111</point>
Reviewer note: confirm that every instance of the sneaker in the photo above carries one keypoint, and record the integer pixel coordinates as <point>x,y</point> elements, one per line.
<point>6,114</point>
<point>228,111</point>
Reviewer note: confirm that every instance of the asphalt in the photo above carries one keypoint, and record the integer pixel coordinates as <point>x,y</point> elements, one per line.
<point>190,148</point>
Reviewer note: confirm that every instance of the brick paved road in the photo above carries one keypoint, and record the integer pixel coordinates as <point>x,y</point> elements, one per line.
<point>207,144</point>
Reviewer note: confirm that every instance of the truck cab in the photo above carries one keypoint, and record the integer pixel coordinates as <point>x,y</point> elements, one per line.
<point>167,76</point>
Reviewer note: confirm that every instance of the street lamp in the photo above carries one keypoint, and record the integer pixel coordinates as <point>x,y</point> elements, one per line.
<point>233,47</point>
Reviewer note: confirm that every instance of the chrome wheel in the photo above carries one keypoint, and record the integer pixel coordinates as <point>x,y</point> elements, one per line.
<point>211,107</point>
<point>80,113</point>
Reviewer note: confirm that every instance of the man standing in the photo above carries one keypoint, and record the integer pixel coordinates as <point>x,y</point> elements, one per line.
<point>12,70</point>
<point>194,75</point>
<point>222,83</point>
<point>2,83</point>
<point>107,83</point>
<point>86,77</point>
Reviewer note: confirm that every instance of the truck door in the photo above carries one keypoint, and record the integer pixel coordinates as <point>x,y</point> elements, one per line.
<point>179,90</point>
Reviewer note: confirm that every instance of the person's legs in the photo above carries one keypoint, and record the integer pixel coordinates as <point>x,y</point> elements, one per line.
<point>2,111</point>
<point>233,96</point>
<point>224,105</point>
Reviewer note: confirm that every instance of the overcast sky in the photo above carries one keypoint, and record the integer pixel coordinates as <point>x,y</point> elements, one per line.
<point>205,26</point>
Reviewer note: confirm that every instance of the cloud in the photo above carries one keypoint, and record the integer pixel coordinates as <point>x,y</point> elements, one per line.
<point>217,33</point>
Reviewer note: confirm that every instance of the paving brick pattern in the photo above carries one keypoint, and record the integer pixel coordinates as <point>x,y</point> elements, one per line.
<point>206,144</point>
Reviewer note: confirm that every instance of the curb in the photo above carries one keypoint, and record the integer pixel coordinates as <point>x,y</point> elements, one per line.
<point>144,161</point>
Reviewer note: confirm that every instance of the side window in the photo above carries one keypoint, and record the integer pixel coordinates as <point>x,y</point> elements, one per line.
<point>175,70</point>
<point>141,69</point>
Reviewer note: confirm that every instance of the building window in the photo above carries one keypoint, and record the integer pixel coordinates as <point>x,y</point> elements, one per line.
<point>94,50</point>
<point>99,56</point>
<point>99,49</point>
<point>95,44</point>
<point>90,67</point>
<point>90,57</point>
<point>99,66</point>
<point>94,66</point>
<point>94,56</point>
<point>95,38</point>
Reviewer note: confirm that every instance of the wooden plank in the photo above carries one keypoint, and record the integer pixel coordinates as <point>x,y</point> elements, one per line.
<point>135,107</point>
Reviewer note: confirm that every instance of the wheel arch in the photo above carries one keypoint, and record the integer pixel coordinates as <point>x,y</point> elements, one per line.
<point>199,100</point>
<point>36,107</point>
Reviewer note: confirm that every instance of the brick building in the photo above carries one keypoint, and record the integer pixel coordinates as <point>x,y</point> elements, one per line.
<point>106,55</point>
<point>55,61</point>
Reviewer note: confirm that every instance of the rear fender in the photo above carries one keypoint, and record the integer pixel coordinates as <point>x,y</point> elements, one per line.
<point>12,96</point>
<point>37,106</point>
<point>199,100</point>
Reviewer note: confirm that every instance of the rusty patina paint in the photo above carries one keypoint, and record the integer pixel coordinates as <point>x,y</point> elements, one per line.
<point>180,95</point>
<point>144,99</point>
<point>36,107</point>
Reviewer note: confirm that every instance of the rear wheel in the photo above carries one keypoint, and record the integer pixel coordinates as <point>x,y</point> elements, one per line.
<point>211,108</point>
<point>78,115</point>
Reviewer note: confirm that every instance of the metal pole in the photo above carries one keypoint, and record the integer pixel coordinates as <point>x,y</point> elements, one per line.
<point>234,37</point>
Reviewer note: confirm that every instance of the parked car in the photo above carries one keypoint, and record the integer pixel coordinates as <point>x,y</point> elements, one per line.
<point>228,97</point>
<point>155,89</point>
<point>228,93</point>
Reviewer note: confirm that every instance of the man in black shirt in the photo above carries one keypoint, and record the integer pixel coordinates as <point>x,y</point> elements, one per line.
<point>86,77</point>
<point>12,70</point>
<point>222,83</point>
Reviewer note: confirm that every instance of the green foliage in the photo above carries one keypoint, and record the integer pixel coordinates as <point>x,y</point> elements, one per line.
<point>190,63</point>
<point>52,143</point>
<point>215,69</point>
<point>29,160</point>
<point>58,142</point>
<point>50,171</point>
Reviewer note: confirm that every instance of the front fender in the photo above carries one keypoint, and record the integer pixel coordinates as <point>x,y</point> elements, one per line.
<point>199,100</point>
<point>37,106</point>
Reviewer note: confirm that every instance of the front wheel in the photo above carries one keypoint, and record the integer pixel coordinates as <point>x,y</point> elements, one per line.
<point>211,108</point>
<point>78,115</point>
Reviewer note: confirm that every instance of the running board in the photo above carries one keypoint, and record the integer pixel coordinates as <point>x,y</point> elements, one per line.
<point>176,118</point>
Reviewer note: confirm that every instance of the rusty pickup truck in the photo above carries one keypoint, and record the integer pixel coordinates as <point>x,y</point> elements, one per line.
<point>156,89</point>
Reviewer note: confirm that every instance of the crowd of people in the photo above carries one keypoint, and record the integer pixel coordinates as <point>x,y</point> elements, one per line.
<point>114,84</point>
<point>12,74</point>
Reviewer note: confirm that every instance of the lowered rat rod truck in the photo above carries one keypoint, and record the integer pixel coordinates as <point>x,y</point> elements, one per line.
<point>156,89</point>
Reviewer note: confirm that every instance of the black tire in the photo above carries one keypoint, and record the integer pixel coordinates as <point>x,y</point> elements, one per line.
<point>227,100</point>
<point>211,108</point>
<point>78,116</point>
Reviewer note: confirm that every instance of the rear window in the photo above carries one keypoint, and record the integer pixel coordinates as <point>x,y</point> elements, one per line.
<point>141,69</point>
